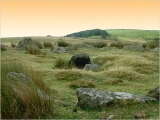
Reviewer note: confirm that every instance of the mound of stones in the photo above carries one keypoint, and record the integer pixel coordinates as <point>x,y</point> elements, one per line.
<point>61,50</point>
<point>92,98</point>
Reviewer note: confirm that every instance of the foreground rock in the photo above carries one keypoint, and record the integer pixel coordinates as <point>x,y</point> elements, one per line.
<point>154,93</point>
<point>27,81</point>
<point>80,60</point>
<point>91,98</point>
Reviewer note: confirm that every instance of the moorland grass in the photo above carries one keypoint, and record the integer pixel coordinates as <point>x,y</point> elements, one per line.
<point>120,70</point>
<point>23,100</point>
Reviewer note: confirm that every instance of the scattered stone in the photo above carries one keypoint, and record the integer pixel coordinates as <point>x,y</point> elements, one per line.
<point>111,117</point>
<point>61,50</point>
<point>157,49</point>
<point>134,48</point>
<point>91,67</point>
<point>80,60</point>
<point>154,93</point>
<point>91,98</point>
<point>19,76</point>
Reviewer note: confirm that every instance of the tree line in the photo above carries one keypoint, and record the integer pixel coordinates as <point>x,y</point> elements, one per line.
<point>89,33</point>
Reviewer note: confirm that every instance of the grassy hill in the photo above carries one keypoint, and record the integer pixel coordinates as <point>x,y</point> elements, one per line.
<point>134,72</point>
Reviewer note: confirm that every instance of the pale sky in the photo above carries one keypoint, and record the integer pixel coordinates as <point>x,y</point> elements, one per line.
<point>61,17</point>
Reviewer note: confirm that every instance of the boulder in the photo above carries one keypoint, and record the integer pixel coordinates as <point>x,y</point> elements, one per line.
<point>154,93</point>
<point>91,98</point>
<point>91,67</point>
<point>80,60</point>
<point>22,45</point>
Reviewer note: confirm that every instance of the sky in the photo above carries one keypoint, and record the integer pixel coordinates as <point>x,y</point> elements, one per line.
<point>60,17</point>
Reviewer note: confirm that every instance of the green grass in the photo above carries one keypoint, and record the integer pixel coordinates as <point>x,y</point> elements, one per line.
<point>120,70</point>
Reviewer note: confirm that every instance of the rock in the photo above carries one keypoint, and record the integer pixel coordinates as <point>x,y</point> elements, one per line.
<point>61,50</point>
<point>134,48</point>
<point>91,67</point>
<point>156,50</point>
<point>22,45</point>
<point>91,98</point>
<point>80,60</point>
<point>19,76</point>
<point>111,117</point>
<point>154,93</point>
<point>23,77</point>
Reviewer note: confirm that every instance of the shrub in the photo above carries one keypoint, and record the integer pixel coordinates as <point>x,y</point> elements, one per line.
<point>82,83</point>
<point>97,44</point>
<point>63,44</point>
<point>3,47</point>
<point>33,49</point>
<point>117,44</point>
<point>38,44</point>
<point>61,63</point>
<point>13,45</point>
<point>20,99</point>
<point>47,44</point>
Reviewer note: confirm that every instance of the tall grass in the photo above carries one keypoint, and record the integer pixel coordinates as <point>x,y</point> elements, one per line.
<point>33,49</point>
<point>21,99</point>
<point>62,43</point>
<point>97,44</point>
<point>47,44</point>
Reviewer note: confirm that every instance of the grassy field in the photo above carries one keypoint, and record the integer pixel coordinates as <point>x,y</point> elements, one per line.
<point>120,70</point>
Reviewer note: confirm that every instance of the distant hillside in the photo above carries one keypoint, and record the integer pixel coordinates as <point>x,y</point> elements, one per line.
<point>134,34</point>
<point>89,33</point>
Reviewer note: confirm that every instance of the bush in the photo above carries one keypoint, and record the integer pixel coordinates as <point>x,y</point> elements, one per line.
<point>38,44</point>
<point>47,44</point>
<point>3,47</point>
<point>117,44</point>
<point>21,99</point>
<point>82,83</point>
<point>61,63</point>
<point>33,49</point>
<point>63,44</point>
<point>97,44</point>
<point>13,45</point>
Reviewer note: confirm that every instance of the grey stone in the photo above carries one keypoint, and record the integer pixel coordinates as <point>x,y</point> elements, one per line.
<point>91,67</point>
<point>154,93</point>
<point>156,50</point>
<point>80,60</point>
<point>19,76</point>
<point>61,50</point>
<point>91,98</point>
<point>22,45</point>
